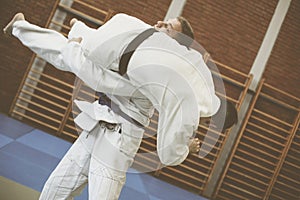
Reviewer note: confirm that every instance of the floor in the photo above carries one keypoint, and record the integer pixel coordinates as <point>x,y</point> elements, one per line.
<point>28,155</point>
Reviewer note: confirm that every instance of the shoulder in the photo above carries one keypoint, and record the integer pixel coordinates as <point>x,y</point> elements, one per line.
<point>128,22</point>
<point>123,16</point>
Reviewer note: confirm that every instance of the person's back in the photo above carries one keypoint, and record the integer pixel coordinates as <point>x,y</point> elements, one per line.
<point>174,78</point>
<point>108,44</point>
<point>161,51</point>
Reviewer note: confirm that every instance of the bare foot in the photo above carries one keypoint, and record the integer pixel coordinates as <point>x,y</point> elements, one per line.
<point>73,21</point>
<point>8,27</point>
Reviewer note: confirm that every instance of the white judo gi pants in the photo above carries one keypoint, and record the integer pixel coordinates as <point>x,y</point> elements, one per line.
<point>79,167</point>
<point>99,157</point>
<point>82,164</point>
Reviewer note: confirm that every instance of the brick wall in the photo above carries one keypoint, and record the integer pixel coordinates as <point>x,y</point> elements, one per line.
<point>14,57</point>
<point>230,30</point>
<point>283,67</point>
<point>149,11</point>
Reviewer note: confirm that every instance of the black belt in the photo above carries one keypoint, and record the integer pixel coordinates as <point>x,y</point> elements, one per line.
<point>132,46</point>
<point>105,100</point>
<point>123,64</point>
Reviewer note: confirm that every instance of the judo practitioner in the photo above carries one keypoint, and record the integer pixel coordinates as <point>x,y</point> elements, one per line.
<point>160,72</point>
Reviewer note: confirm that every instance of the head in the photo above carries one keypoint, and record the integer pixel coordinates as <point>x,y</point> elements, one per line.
<point>225,117</point>
<point>178,28</point>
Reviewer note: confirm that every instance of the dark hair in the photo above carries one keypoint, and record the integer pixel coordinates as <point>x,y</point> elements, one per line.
<point>187,36</point>
<point>226,116</point>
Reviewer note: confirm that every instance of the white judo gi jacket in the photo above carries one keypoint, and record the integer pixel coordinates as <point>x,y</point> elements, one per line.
<point>161,74</point>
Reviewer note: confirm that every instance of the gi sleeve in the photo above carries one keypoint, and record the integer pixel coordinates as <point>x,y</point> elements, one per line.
<point>175,128</point>
<point>93,74</point>
<point>172,96</point>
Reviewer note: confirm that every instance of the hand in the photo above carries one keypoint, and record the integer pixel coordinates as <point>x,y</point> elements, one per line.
<point>75,40</point>
<point>194,145</point>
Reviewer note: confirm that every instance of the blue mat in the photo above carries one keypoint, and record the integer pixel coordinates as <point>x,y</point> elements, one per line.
<point>28,156</point>
<point>4,140</point>
<point>46,143</point>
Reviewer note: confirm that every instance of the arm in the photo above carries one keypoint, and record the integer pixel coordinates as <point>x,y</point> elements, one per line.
<point>178,112</point>
<point>54,48</point>
<point>92,73</point>
<point>175,129</point>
